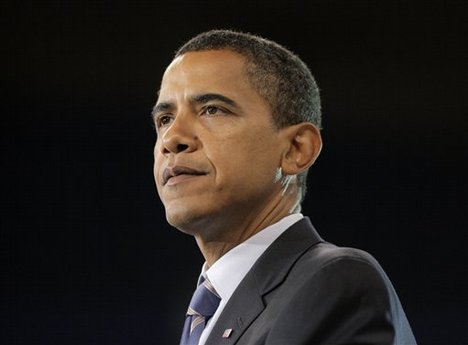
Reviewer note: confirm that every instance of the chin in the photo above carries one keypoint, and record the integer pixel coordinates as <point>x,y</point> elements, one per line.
<point>197,218</point>
<point>185,219</point>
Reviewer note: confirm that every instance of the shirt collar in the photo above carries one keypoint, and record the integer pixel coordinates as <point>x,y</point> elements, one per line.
<point>229,270</point>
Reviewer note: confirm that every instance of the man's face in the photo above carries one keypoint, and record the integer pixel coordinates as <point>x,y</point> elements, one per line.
<point>217,149</point>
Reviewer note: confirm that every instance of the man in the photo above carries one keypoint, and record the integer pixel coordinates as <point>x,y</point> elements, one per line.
<point>238,121</point>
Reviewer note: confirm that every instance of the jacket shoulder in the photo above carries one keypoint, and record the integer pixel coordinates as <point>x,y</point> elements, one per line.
<point>344,289</point>
<point>324,253</point>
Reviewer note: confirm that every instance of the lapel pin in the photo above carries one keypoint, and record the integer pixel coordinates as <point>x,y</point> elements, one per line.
<point>227,333</point>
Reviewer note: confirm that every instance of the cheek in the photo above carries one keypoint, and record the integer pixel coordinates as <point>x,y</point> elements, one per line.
<point>246,162</point>
<point>156,168</point>
<point>155,164</point>
<point>156,149</point>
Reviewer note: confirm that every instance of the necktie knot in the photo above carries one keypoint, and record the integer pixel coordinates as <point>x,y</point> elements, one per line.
<point>205,300</point>
<point>202,307</point>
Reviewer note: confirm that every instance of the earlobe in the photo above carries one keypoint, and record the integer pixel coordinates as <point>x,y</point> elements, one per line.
<point>304,146</point>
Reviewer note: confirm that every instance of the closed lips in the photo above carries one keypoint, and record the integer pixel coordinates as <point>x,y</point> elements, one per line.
<point>170,172</point>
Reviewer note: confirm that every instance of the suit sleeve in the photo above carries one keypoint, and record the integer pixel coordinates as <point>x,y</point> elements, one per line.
<point>347,301</point>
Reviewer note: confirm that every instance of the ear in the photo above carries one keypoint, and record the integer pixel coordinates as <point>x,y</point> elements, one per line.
<point>303,145</point>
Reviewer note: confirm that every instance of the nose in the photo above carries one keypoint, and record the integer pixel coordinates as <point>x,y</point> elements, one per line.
<point>179,137</point>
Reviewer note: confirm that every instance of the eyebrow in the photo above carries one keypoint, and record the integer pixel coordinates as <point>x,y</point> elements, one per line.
<point>160,107</point>
<point>200,99</point>
<point>207,97</point>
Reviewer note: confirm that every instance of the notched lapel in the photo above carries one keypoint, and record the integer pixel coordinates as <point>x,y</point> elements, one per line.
<point>267,274</point>
<point>241,310</point>
<point>273,266</point>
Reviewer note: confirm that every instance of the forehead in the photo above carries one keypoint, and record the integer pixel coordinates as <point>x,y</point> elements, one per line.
<point>212,70</point>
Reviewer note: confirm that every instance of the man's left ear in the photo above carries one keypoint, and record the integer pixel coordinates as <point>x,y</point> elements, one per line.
<point>303,145</point>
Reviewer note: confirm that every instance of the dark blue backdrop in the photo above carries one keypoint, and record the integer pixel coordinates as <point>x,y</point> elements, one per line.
<point>86,255</point>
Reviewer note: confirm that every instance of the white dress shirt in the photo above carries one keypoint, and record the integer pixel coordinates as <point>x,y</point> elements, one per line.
<point>227,273</point>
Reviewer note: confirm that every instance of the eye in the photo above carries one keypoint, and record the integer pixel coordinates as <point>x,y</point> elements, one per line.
<point>163,120</point>
<point>213,110</point>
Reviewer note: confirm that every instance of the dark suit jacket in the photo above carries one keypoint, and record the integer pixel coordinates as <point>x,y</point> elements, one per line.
<point>303,290</point>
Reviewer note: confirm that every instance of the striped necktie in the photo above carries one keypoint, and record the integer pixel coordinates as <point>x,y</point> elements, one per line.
<point>203,305</point>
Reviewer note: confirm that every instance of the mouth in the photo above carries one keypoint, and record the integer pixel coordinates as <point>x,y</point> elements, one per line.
<point>173,175</point>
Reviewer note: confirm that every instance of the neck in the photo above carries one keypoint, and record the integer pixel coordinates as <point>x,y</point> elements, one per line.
<point>238,228</point>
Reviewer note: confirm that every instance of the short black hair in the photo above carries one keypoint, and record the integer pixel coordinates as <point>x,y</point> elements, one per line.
<point>278,75</point>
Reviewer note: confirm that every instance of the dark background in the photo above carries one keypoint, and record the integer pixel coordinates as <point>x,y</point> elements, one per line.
<point>86,255</point>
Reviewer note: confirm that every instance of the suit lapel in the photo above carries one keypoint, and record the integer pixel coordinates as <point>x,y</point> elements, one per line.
<point>267,274</point>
